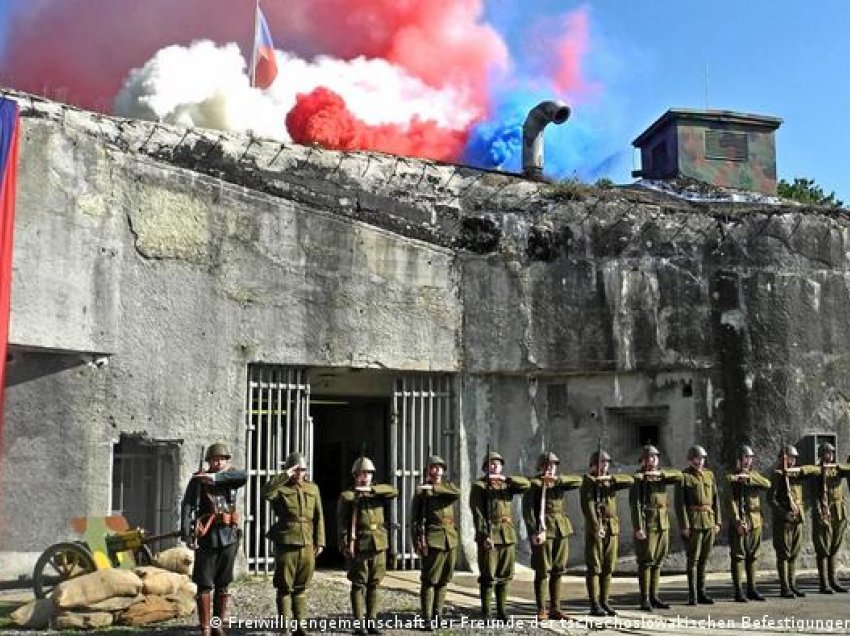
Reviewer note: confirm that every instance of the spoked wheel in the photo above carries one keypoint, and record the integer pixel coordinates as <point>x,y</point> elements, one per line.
<point>60,562</point>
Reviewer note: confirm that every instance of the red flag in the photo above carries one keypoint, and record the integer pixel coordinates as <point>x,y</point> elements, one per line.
<point>9,125</point>
<point>265,63</point>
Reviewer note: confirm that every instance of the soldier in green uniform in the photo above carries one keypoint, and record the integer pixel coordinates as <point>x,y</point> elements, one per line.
<point>209,524</point>
<point>490,500</point>
<point>364,541</point>
<point>549,530</point>
<point>298,534</point>
<point>435,537</point>
<point>745,523</point>
<point>698,510</point>
<point>786,500</point>
<point>829,517</point>
<point>598,496</point>
<point>651,522</point>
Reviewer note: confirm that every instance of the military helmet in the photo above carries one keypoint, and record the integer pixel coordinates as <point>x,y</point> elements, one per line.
<point>219,449</point>
<point>295,459</point>
<point>746,451</point>
<point>648,450</point>
<point>436,460</point>
<point>696,451</point>
<point>547,458</point>
<point>362,464</point>
<point>598,456</point>
<point>493,455</point>
<point>824,448</point>
<point>790,450</point>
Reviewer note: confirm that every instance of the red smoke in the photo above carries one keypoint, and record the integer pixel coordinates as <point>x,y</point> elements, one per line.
<point>570,52</point>
<point>82,50</point>
<point>322,117</point>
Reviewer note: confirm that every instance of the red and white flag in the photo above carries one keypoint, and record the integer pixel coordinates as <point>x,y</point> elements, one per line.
<point>264,64</point>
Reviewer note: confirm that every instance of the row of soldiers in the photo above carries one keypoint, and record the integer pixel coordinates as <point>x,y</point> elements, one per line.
<point>298,533</point>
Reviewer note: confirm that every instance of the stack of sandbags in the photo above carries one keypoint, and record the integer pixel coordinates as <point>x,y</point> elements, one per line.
<point>179,559</point>
<point>101,598</point>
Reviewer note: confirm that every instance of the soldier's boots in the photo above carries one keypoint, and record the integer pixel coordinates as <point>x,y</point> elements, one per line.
<point>643,584</point>
<point>486,595</point>
<point>540,586</point>
<point>439,601</point>
<point>220,600</point>
<point>501,601</point>
<point>824,587</point>
<point>357,610</point>
<point>792,580</point>
<point>592,581</point>
<point>702,596</point>
<point>655,584</point>
<point>604,588</point>
<point>555,612</point>
<point>752,592</point>
<point>692,588</point>
<point>833,577</point>
<point>784,587</point>
<point>372,609</point>
<point>280,600</point>
<point>299,609</point>
<point>204,613</point>
<point>426,603</point>
<point>737,573</point>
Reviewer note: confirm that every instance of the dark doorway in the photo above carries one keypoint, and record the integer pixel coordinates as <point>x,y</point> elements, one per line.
<point>343,427</point>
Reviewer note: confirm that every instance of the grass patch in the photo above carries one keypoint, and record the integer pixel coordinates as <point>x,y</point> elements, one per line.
<point>570,189</point>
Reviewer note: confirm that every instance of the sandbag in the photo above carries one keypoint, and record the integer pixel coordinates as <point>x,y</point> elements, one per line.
<point>114,604</point>
<point>36,614</point>
<point>159,582</point>
<point>177,559</point>
<point>94,587</point>
<point>82,620</point>
<point>151,610</point>
<point>185,603</point>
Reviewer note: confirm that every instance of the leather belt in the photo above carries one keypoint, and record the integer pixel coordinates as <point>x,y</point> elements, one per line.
<point>700,508</point>
<point>502,520</point>
<point>371,526</point>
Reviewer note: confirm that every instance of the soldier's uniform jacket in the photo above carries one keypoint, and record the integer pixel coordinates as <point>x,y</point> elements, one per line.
<point>599,503</point>
<point>298,507</point>
<point>829,479</point>
<point>697,502</point>
<point>779,497</point>
<point>648,499</point>
<point>502,493</point>
<point>214,506</point>
<point>437,508</point>
<point>751,514</point>
<point>370,528</point>
<point>555,517</point>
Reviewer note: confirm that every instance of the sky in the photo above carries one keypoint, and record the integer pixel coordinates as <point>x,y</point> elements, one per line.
<point>631,61</point>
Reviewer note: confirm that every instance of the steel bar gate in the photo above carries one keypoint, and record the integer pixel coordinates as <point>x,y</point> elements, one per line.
<point>422,417</point>
<point>277,423</point>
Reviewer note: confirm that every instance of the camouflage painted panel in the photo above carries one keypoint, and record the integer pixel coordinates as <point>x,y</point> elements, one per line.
<point>94,530</point>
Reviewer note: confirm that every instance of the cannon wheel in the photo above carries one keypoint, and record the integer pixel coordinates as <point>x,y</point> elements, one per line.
<point>60,562</point>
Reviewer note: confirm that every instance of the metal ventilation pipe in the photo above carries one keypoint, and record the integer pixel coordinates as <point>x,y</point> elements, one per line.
<point>532,134</point>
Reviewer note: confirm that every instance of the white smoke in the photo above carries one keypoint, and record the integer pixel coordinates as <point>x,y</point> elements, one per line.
<point>205,85</point>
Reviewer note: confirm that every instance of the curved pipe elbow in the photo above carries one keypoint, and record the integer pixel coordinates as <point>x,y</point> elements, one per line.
<point>550,111</point>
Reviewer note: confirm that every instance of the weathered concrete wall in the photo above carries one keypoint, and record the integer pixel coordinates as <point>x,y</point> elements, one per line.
<point>185,255</point>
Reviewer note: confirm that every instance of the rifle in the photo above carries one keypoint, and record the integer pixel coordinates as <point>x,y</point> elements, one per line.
<point>488,498</point>
<point>352,526</point>
<point>600,505</point>
<point>825,512</point>
<point>743,508</point>
<point>423,507</point>
<point>196,504</point>
<point>544,485</point>
<point>643,499</point>
<point>792,507</point>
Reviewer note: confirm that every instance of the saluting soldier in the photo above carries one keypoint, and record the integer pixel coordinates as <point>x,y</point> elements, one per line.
<point>651,522</point>
<point>209,524</point>
<point>598,495</point>
<point>786,500</point>
<point>435,537</point>
<point>490,500</point>
<point>698,510</point>
<point>549,530</point>
<point>829,517</point>
<point>745,523</point>
<point>298,534</point>
<point>364,541</point>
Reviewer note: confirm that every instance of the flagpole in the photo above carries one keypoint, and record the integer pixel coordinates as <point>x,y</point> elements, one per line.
<point>253,71</point>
